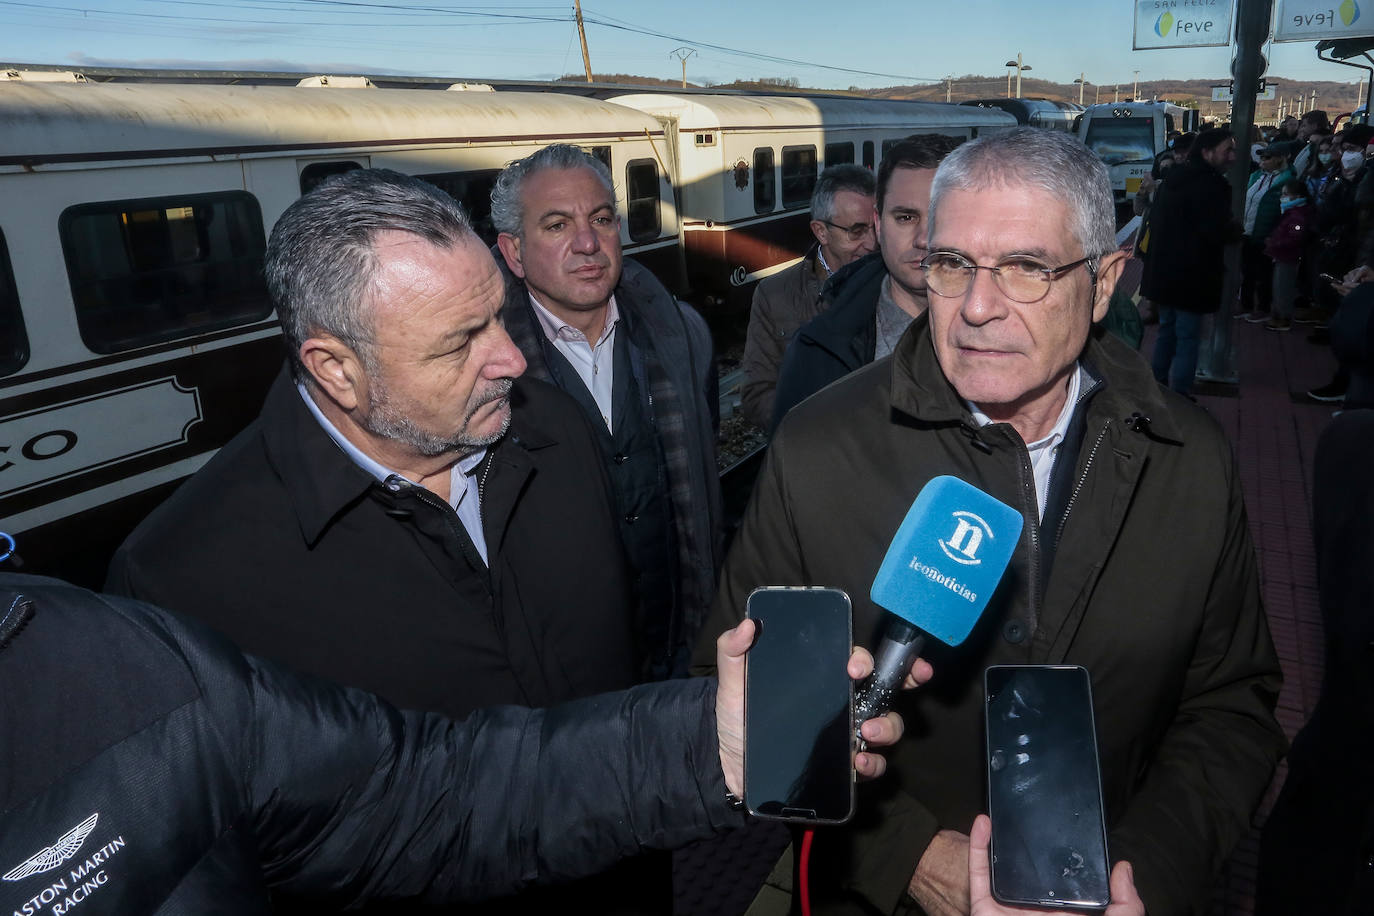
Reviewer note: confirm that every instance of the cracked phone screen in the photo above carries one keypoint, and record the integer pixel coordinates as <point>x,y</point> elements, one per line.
<point>1049,844</point>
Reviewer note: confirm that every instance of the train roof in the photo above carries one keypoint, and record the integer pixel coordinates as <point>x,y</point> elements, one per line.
<point>733,112</point>
<point>69,122</point>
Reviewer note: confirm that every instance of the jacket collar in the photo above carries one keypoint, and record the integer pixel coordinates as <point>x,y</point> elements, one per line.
<point>321,482</point>
<point>1130,392</point>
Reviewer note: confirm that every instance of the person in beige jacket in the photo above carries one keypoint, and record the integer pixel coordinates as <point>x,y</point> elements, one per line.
<point>842,222</point>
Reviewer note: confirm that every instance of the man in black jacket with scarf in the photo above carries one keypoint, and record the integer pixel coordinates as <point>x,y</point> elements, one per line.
<point>605,331</point>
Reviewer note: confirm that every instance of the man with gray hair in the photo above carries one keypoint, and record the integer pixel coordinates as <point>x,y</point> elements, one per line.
<point>1135,560</point>
<point>406,514</point>
<point>639,362</point>
<point>842,223</point>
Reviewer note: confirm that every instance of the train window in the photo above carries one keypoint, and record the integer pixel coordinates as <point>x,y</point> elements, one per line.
<point>473,191</point>
<point>838,153</point>
<point>316,172</point>
<point>868,155</point>
<point>765,181</point>
<point>150,270</point>
<point>641,197</point>
<point>889,143</point>
<point>14,342</point>
<point>798,175</point>
<point>705,140</point>
<point>601,152</point>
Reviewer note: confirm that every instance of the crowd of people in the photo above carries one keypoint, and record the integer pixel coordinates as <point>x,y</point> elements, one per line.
<point>485,478</point>
<point>1306,239</point>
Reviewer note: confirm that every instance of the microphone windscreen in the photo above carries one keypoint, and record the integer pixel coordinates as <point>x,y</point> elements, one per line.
<point>946,559</point>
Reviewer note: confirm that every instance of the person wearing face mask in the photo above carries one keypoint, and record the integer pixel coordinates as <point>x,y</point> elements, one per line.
<point>1261,216</point>
<point>1338,220</point>
<point>1285,246</point>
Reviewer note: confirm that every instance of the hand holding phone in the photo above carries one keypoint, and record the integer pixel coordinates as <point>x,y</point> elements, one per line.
<point>1125,898</point>
<point>798,707</point>
<point>1049,836</point>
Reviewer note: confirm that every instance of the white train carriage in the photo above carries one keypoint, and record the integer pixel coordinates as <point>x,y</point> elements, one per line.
<point>745,167</point>
<point>136,336</point>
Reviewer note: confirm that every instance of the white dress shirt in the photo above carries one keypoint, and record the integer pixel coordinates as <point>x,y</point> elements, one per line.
<point>594,363</point>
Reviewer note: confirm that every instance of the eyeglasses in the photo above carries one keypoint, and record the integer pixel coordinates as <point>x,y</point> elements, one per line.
<point>856,233</point>
<point>1023,280</point>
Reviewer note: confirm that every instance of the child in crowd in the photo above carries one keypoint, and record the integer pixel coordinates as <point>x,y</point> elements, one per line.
<point>1286,245</point>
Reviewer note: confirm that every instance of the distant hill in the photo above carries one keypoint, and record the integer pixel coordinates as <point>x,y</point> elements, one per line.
<point>1331,96</point>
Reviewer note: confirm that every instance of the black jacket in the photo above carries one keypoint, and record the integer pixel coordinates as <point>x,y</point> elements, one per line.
<point>289,548</point>
<point>839,340</point>
<point>1143,572</point>
<point>147,766</point>
<point>1190,224</point>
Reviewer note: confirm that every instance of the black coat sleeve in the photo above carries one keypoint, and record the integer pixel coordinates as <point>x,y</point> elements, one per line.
<point>353,800</point>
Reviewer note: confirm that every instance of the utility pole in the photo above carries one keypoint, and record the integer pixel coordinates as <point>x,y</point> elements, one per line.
<point>1097,94</point>
<point>949,88</point>
<point>1313,106</point>
<point>1117,96</point>
<point>1135,90</point>
<point>1081,84</point>
<point>582,34</point>
<point>680,55</point>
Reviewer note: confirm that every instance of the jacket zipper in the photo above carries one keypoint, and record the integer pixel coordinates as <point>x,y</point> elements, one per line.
<point>1029,498</point>
<point>425,496</point>
<point>1082,478</point>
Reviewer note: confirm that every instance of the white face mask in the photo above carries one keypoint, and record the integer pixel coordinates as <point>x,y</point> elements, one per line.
<point>1351,159</point>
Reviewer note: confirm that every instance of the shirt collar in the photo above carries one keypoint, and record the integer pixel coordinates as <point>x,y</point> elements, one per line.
<point>1061,426</point>
<point>374,468</point>
<point>556,329</point>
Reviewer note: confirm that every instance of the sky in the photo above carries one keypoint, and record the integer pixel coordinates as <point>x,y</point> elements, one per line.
<point>879,43</point>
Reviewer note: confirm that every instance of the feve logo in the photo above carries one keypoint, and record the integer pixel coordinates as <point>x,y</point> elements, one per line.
<point>1350,11</point>
<point>1164,23</point>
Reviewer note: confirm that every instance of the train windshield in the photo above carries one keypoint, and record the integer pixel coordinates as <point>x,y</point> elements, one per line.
<point>14,342</point>
<point>1118,140</point>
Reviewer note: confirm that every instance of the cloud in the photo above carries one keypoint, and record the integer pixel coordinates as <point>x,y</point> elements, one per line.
<point>274,64</point>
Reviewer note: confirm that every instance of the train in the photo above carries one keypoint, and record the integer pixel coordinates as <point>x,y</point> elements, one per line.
<point>136,335</point>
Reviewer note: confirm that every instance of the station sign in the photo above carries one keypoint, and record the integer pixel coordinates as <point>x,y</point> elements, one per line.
<point>1227,93</point>
<point>1315,20</point>
<point>1183,23</point>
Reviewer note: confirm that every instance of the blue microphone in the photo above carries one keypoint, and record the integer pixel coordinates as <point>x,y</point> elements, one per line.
<point>939,572</point>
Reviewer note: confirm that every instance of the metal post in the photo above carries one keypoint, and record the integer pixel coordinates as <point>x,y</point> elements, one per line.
<point>1019,68</point>
<point>1135,90</point>
<point>1252,29</point>
<point>949,88</point>
<point>1080,87</point>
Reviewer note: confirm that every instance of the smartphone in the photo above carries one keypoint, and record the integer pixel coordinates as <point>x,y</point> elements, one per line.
<point>799,707</point>
<point>1049,836</point>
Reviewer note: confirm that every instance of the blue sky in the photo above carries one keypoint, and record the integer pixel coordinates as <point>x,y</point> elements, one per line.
<point>876,43</point>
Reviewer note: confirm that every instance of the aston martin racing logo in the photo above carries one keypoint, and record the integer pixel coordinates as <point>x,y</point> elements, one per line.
<point>67,845</point>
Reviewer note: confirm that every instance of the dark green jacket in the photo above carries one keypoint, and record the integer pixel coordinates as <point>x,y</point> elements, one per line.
<point>1153,588</point>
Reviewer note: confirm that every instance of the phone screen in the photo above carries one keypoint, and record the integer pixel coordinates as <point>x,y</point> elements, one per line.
<point>1049,841</point>
<point>798,707</point>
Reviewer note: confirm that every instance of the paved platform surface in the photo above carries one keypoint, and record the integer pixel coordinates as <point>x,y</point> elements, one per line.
<point>1274,428</point>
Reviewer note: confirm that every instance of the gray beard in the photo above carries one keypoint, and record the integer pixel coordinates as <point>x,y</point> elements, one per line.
<point>385,420</point>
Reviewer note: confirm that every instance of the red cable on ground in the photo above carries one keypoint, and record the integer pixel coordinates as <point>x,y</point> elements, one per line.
<point>804,879</point>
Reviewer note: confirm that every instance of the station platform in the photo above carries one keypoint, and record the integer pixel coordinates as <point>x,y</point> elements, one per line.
<point>1273,427</point>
